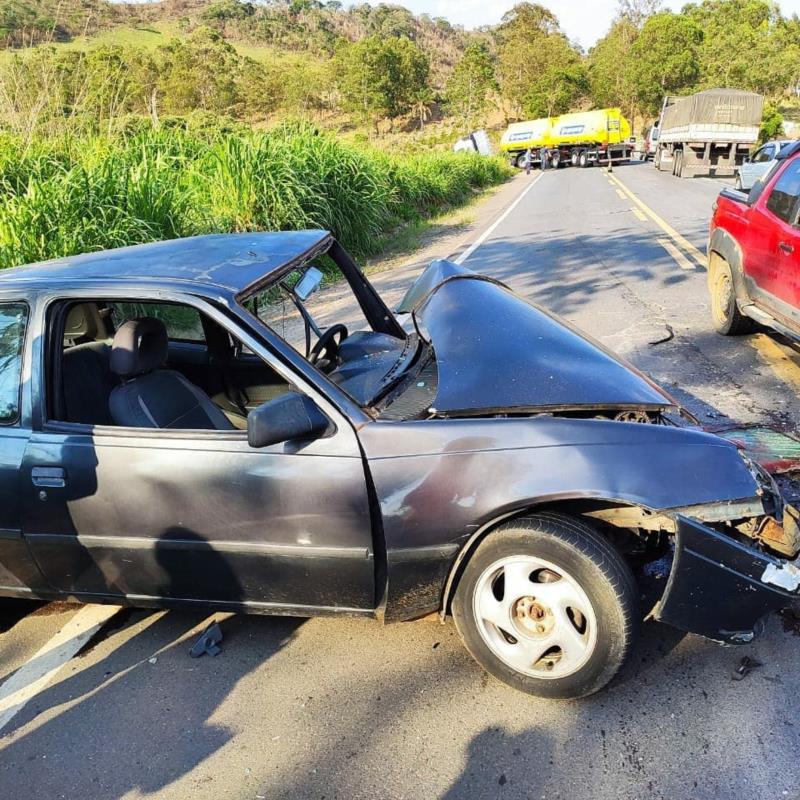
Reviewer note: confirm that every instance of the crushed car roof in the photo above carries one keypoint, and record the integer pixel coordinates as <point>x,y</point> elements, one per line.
<point>232,261</point>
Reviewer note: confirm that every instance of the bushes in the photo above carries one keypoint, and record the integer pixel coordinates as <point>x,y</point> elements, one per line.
<point>79,195</point>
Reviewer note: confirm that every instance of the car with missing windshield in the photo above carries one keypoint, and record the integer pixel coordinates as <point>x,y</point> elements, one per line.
<point>240,422</point>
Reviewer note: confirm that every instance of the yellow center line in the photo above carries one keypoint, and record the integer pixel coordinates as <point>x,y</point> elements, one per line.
<point>621,194</point>
<point>676,237</point>
<point>679,258</point>
<point>783,361</point>
<point>638,214</point>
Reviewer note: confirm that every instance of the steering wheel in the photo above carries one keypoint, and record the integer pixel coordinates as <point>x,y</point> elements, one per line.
<point>328,344</point>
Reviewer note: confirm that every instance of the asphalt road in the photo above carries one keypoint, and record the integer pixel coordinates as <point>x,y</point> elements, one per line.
<point>349,709</point>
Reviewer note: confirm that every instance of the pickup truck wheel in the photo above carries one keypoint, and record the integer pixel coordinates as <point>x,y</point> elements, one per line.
<point>738,183</point>
<point>728,320</point>
<point>546,605</point>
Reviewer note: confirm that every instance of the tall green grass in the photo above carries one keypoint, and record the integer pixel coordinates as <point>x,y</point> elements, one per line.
<point>77,195</point>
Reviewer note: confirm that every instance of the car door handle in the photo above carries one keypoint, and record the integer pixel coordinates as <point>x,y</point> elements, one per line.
<point>51,477</point>
<point>787,248</point>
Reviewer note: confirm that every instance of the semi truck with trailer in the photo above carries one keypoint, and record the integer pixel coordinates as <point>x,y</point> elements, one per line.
<point>582,138</point>
<point>708,133</point>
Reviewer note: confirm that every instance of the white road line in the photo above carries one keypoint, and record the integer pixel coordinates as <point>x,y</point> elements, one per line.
<point>679,258</point>
<point>33,676</point>
<point>490,230</point>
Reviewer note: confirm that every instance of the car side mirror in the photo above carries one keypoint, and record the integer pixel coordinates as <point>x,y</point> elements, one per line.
<point>290,416</point>
<point>308,284</point>
<point>747,159</point>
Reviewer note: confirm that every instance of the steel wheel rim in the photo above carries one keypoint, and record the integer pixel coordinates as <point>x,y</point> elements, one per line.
<point>723,295</point>
<point>535,617</point>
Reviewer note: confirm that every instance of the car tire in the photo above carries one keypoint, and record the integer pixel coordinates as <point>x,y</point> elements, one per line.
<point>566,643</point>
<point>738,183</point>
<point>728,320</point>
<point>583,159</point>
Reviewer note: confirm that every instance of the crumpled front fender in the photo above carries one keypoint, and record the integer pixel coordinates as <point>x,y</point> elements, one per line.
<point>717,585</point>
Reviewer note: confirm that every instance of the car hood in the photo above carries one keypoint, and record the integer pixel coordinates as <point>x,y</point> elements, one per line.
<point>497,353</point>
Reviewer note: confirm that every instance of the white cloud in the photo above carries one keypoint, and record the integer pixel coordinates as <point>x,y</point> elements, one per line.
<point>584,22</point>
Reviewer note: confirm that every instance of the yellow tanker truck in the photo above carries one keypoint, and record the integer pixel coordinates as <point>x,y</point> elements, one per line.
<point>581,139</point>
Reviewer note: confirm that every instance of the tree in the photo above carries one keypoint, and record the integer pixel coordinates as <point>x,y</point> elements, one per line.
<point>611,78</point>
<point>198,73</point>
<point>771,123</point>
<point>664,58</point>
<point>541,73</point>
<point>468,88</point>
<point>748,44</point>
<point>637,12</point>
<point>380,78</point>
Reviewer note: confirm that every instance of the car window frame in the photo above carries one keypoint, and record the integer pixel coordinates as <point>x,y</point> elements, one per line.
<point>182,340</point>
<point>17,421</point>
<point>766,195</point>
<point>340,425</point>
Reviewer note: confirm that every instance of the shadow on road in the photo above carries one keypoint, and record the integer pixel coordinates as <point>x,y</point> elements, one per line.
<point>139,717</point>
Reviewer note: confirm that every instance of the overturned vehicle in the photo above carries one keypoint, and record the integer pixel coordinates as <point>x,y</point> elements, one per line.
<point>241,422</point>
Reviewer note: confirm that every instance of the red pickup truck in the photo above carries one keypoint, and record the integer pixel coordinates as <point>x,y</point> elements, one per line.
<point>754,252</point>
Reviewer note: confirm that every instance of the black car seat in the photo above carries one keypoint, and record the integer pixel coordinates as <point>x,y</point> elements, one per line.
<point>150,397</point>
<point>87,379</point>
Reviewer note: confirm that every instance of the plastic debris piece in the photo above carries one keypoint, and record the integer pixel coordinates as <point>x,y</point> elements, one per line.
<point>208,642</point>
<point>746,666</point>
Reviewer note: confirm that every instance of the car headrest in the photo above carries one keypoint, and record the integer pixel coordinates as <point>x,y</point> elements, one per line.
<point>139,346</point>
<point>84,322</point>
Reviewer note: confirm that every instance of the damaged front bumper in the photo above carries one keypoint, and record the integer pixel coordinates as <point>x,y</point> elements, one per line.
<point>721,588</point>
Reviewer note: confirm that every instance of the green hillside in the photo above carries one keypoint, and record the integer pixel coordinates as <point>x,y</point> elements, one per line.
<point>377,71</point>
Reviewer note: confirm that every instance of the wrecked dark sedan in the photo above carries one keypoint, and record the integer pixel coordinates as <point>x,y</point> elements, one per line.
<point>240,422</point>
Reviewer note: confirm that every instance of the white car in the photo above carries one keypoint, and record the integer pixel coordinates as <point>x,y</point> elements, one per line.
<point>759,164</point>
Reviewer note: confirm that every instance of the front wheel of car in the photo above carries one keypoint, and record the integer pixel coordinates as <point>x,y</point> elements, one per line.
<point>546,605</point>
<point>738,183</point>
<point>728,320</point>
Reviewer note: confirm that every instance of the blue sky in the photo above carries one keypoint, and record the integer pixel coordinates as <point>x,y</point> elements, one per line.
<point>584,21</point>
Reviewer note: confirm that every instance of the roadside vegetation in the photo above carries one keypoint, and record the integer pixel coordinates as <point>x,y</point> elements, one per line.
<point>125,122</point>
<point>372,70</point>
<point>71,195</point>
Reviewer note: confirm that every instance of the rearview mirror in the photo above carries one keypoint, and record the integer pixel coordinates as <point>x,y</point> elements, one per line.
<point>308,284</point>
<point>290,416</point>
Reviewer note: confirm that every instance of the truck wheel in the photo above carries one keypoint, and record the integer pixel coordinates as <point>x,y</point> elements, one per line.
<point>677,169</point>
<point>521,160</point>
<point>573,158</point>
<point>583,159</point>
<point>555,160</point>
<point>548,606</point>
<point>728,320</point>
